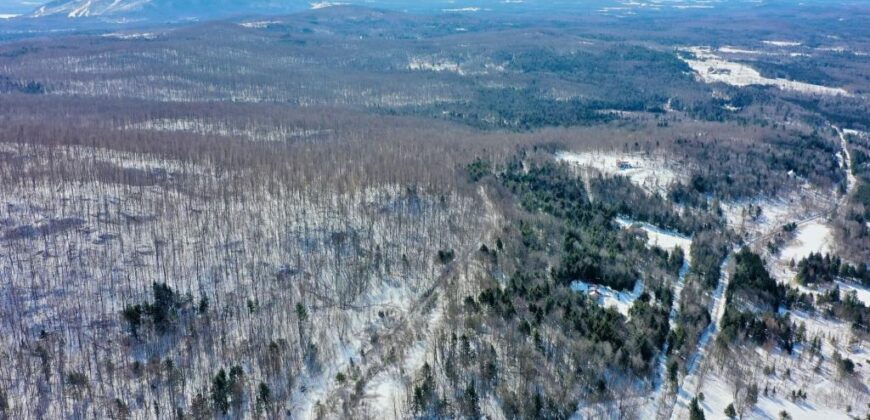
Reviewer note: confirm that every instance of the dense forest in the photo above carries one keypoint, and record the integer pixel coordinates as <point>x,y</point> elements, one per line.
<point>352,212</point>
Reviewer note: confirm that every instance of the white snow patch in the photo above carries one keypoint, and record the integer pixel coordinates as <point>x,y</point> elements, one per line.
<point>609,298</point>
<point>814,237</point>
<point>662,238</point>
<point>783,43</point>
<point>861,292</point>
<point>462,10</point>
<point>134,35</point>
<point>422,64</point>
<point>325,4</point>
<point>260,24</point>
<point>652,173</point>
<point>733,50</point>
<point>712,69</point>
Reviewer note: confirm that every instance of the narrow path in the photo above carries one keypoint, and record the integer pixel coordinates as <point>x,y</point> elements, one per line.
<point>654,410</point>
<point>851,180</point>
<point>694,378</point>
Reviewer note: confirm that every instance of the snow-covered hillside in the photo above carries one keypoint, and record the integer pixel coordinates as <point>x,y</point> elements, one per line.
<point>85,8</point>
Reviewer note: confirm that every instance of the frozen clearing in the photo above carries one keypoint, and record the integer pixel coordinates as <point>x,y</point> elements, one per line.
<point>711,69</point>
<point>609,298</point>
<point>421,64</point>
<point>387,390</point>
<point>132,35</point>
<point>783,43</point>
<point>649,172</point>
<point>798,206</point>
<point>656,236</point>
<point>814,237</point>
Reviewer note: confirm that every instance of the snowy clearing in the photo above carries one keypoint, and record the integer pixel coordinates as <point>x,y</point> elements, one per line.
<point>652,173</point>
<point>712,69</point>
<point>861,292</point>
<point>764,216</point>
<point>134,35</point>
<point>662,238</point>
<point>422,64</point>
<point>814,237</point>
<point>609,298</point>
<point>260,24</point>
<point>783,43</point>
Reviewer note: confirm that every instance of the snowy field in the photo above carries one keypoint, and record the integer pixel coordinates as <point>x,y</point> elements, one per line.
<point>712,68</point>
<point>813,237</point>
<point>609,298</point>
<point>662,238</point>
<point>422,64</point>
<point>765,216</point>
<point>650,172</point>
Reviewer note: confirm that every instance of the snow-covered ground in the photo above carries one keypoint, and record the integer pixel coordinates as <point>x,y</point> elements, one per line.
<point>259,24</point>
<point>650,172</point>
<point>697,364</point>
<point>712,68</point>
<point>609,298</point>
<point>861,292</point>
<point>133,35</point>
<point>131,220</point>
<point>783,43</point>
<point>248,130</point>
<point>799,206</point>
<point>622,301</point>
<point>667,240</point>
<point>813,237</point>
<point>845,157</point>
<point>423,64</point>
<point>656,236</point>
<point>828,395</point>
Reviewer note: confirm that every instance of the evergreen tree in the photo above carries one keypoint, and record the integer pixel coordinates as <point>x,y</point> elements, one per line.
<point>695,411</point>
<point>220,388</point>
<point>730,412</point>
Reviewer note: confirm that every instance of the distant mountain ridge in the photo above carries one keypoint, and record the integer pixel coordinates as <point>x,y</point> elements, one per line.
<point>144,10</point>
<point>88,8</point>
<point>147,9</point>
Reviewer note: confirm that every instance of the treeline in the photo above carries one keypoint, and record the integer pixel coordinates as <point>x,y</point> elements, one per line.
<point>638,76</point>
<point>816,268</point>
<point>752,302</point>
<point>521,109</point>
<point>736,170</point>
<point>754,298</point>
<point>591,248</point>
<point>619,194</point>
<point>527,338</point>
